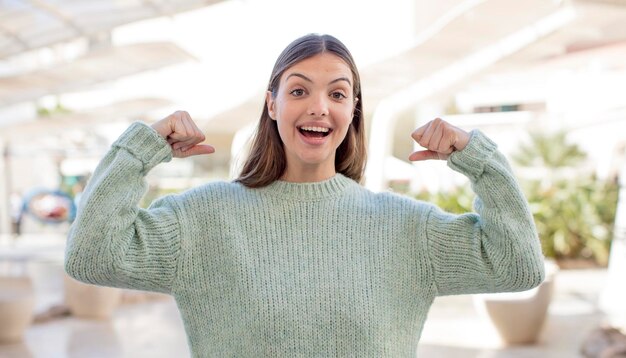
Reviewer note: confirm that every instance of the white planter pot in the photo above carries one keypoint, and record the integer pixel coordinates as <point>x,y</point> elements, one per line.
<point>518,317</point>
<point>90,301</point>
<point>17,302</point>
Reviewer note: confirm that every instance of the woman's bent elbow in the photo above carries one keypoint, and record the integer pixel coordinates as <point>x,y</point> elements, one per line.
<point>84,265</point>
<point>537,275</point>
<point>529,275</point>
<point>74,266</point>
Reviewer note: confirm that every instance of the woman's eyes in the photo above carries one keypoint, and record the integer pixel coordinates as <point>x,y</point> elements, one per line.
<point>337,95</point>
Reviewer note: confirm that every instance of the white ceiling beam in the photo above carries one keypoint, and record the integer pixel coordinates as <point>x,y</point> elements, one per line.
<point>55,12</point>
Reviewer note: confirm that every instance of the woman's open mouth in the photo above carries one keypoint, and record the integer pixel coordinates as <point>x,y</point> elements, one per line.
<point>314,132</point>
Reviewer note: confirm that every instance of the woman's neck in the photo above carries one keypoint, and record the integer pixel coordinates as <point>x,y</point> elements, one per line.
<point>307,174</point>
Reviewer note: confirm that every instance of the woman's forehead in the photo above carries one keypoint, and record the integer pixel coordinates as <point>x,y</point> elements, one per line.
<point>323,65</point>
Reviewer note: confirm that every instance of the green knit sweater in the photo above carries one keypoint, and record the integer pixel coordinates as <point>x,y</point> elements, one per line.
<point>325,269</point>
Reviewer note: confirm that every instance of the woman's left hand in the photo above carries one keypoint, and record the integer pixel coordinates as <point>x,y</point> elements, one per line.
<point>440,138</point>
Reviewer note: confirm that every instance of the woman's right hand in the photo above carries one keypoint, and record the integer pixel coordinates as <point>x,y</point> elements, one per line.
<point>183,135</point>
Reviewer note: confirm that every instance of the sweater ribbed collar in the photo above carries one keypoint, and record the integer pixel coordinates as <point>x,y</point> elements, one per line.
<point>331,187</point>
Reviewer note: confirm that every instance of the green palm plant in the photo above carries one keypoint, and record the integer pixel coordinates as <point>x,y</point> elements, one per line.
<point>574,218</point>
<point>574,214</point>
<point>458,200</point>
<point>549,151</point>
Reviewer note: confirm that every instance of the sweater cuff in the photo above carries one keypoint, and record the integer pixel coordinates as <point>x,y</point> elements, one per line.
<point>145,144</point>
<point>471,160</point>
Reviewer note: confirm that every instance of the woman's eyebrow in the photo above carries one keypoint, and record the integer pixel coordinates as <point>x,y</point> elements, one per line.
<point>341,79</point>
<point>296,74</point>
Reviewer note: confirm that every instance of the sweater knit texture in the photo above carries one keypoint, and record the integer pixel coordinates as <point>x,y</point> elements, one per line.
<point>324,269</point>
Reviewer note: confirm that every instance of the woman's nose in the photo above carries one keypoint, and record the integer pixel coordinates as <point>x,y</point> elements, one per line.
<point>318,106</point>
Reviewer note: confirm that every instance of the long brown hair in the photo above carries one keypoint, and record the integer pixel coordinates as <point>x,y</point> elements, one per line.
<point>267,160</point>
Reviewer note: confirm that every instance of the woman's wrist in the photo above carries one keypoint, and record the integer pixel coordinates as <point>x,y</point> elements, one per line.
<point>462,139</point>
<point>162,127</point>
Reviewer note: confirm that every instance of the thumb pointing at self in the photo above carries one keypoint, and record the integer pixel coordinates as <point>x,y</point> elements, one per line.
<point>198,149</point>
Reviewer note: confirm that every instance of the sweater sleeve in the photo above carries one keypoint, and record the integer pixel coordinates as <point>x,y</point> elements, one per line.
<point>495,249</point>
<point>113,242</point>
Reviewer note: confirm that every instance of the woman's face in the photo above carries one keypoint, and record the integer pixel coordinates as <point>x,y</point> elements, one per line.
<point>313,108</point>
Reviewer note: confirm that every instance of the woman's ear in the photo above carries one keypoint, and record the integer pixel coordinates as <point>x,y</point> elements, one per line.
<point>269,101</point>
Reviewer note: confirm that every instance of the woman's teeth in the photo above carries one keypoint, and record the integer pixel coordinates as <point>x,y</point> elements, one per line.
<point>315,129</point>
<point>316,132</point>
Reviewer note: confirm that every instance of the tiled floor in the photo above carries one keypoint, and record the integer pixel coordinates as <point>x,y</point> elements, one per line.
<point>453,329</point>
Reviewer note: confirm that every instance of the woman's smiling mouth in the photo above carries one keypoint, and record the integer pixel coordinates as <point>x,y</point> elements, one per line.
<point>314,132</point>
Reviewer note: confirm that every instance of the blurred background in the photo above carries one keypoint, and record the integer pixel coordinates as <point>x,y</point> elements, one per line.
<point>545,79</point>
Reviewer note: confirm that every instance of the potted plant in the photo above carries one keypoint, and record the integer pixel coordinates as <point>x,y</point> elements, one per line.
<point>90,301</point>
<point>17,302</point>
<point>518,317</point>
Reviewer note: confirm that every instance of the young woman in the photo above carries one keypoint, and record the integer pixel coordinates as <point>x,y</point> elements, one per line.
<point>295,258</point>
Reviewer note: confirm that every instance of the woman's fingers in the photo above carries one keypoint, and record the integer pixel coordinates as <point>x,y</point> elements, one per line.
<point>447,143</point>
<point>187,125</point>
<point>426,134</point>
<point>440,138</point>
<point>419,132</point>
<point>183,135</point>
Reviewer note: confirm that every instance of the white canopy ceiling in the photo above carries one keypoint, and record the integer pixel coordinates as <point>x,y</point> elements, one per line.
<point>26,25</point>
<point>101,65</point>
<point>30,24</point>
<point>582,26</point>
